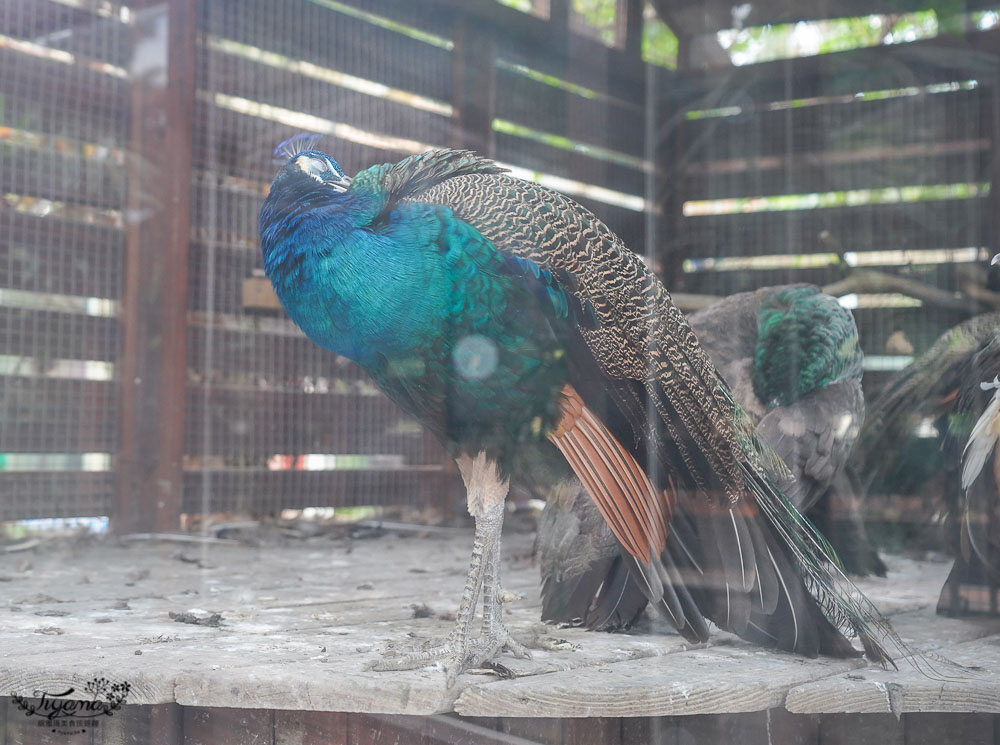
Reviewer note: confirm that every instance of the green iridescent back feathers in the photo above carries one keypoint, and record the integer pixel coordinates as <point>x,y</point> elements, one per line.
<point>806,341</point>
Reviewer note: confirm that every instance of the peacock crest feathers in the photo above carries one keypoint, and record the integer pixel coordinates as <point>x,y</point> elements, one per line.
<point>294,145</point>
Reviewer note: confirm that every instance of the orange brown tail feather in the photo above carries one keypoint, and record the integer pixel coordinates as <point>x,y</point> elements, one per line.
<point>635,510</point>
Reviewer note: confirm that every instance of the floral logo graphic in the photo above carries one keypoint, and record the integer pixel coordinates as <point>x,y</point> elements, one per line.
<point>72,715</point>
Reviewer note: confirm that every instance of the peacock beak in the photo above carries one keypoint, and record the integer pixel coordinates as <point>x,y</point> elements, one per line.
<point>341,184</point>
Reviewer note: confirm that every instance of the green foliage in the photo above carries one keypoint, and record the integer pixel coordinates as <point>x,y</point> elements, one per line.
<point>525,6</point>
<point>600,15</point>
<point>985,19</point>
<point>659,43</point>
<point>781,41</point>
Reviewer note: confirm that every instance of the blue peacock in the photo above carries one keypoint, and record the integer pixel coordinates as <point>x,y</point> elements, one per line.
<point>522,332</point>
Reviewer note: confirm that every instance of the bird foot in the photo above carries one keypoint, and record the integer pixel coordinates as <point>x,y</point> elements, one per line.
<point>485,648</point>
<point>457,658</point>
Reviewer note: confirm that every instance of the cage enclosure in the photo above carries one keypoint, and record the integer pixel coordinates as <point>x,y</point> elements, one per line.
<point>212,525</point>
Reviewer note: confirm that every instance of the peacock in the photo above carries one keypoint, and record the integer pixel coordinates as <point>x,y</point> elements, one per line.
<point>792,359</point>
<point>519,330</point>
<point>953,384</point>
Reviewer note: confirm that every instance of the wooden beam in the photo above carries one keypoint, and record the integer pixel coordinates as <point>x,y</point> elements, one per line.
<point>154,298</point>
<point>629,29</point>
<point>474,93</point>
<point>991,105</point>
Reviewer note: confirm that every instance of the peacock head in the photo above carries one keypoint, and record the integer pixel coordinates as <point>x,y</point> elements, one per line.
<point>304,167</point>
<point>308,178</point>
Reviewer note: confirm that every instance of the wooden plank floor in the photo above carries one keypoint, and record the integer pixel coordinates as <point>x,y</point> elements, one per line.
<point>298,620</point>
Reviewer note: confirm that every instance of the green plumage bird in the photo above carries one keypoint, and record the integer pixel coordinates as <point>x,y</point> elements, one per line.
<point>518,328</point>
<point>791,356</point>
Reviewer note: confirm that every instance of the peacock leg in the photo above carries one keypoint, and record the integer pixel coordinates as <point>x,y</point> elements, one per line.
<point>486,494</point>
<point>494,638</point>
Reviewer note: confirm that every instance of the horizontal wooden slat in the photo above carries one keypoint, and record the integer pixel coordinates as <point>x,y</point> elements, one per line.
<point>537,156</point>
<point>253,425</point>
<point>237,76</point>
<point>285,359</point>
<point>48,174</point>
<point>236,144</point>
<point>808,173</point>
<point>75,30</point>
<point>231,267</point>
<point>838,126</point>
<point>30,494</point>
<point>524,38</point>
<point>762,14</point>
<point>956,223</point>
<point>30,19</point>
<point>921,325</point>
<point>39,415</point>
<point>309,31</point>
<point>431,17</point>
<point>224,215</point>
<point>72,92</point>
<point>269,491</point>
<point>939,60</point>
<point>48,335</point>
<point>732,282</point>
<point>595,121</point>
<point>46,254</point>
<point>104,126</point>
<point>578,60</point>
<point>946,276</point>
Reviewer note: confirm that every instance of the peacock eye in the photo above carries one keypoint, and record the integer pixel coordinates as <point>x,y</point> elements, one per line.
<point>312,166</point>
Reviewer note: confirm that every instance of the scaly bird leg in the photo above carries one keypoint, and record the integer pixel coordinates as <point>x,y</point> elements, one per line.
<point>494,638</point>
<point>486,494</point>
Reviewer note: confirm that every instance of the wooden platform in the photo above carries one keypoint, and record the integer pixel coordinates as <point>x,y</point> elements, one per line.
<point>287,624</point>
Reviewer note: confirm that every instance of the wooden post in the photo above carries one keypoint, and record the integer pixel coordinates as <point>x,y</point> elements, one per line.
<point>670,161</point>
<point>992,104</point>
<point>474,86</point>
<point>154,298</point>
<point>629,29</point>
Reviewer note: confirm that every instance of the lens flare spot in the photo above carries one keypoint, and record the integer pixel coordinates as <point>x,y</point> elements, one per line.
<point>475,357</point>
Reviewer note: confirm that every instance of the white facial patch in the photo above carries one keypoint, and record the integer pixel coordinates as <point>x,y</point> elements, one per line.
<point>312,167</point>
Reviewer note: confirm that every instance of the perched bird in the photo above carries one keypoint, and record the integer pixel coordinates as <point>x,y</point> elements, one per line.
<point>945,387</point>
<point>521,332</point>
<point>791,357</point>
<point>979,535</point>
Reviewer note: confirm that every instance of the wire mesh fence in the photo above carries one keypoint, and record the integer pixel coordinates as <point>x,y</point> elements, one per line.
<point>798,170</point>
<point>63,139</point>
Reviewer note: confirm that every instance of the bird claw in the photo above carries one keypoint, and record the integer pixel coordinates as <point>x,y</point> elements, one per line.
<point>412,660</point>
<point>457,658</point>
<point>484,649</point>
